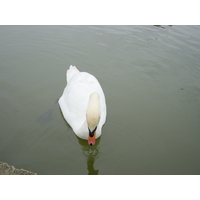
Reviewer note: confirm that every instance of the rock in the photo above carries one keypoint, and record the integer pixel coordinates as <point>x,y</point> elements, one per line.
<point>6,169</point>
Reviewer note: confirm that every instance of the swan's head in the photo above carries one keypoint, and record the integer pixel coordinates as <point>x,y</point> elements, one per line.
<point>93,116</point>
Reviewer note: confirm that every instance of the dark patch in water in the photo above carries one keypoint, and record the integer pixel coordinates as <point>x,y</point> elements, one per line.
<point>47,116</point>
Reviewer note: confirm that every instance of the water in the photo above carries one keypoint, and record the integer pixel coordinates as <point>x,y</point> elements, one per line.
<point>151,79</point>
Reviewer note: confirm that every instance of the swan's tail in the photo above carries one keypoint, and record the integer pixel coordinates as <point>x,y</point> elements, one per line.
<point>70,72</point>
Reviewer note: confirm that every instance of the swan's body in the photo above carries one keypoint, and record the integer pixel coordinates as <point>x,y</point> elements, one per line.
<point>83,104</point>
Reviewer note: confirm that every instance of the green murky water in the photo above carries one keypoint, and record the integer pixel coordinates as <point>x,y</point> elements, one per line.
<point>151,79</point>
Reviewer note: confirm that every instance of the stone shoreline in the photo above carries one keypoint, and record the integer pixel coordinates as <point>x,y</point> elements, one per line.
<point>6,169</point>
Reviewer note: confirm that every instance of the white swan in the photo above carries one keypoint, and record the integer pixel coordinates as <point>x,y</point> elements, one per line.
<point>83,104</point>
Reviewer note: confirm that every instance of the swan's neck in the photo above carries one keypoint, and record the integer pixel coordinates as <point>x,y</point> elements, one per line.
<point>93,111</point>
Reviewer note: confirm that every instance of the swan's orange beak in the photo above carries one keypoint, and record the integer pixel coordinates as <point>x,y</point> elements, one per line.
<point>91,140</point>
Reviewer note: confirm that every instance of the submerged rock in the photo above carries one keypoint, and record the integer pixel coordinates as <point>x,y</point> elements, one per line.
<point>6,169</point>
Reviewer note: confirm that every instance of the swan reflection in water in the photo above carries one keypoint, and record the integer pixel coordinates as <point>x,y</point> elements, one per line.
<point>91,153</point>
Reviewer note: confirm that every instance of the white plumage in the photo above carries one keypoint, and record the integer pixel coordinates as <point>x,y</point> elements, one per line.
<point>83,95</point>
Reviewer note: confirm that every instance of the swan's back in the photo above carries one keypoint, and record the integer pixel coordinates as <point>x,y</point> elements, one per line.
<point>74,100</point>
<point>70,72</point>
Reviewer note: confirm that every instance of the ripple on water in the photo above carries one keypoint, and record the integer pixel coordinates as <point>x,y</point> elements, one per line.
<point>88,152</point>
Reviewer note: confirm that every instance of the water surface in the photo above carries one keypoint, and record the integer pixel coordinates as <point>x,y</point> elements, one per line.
<point>151,79</point>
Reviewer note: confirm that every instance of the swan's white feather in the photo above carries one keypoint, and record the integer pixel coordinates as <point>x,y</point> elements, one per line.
<point>74,101</point>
